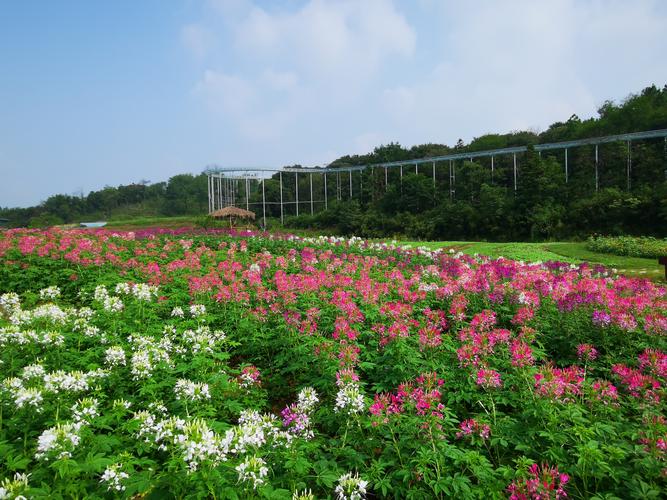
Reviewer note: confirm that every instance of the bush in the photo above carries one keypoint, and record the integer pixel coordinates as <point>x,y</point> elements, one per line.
<point>628,245</point>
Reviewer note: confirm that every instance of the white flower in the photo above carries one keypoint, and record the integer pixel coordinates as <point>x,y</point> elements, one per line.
<point>113,476</point>
<point>14,488</point>
<point>307,399</point>
<point>114,356</point>
<point>101,293</point>
<point>254,470</point>
<point>193,391</point>
<point>85,410</point>
<point>28,397</point>
<point>351,487</point>
<point>177,312</point>
<point>197,310</point>
<point>51,292</point>
<point>349,399</point>
<point>33,371</point>
<point>58,441</point>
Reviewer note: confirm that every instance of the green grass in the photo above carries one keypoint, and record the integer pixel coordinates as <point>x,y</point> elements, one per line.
<point>143,222</point>
<point>560,251</point>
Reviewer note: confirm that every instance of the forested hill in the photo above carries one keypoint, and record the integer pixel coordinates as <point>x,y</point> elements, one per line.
<point>482,208</point>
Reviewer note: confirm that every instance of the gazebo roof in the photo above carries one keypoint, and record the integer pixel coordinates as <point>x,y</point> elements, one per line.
<point>233,212</point>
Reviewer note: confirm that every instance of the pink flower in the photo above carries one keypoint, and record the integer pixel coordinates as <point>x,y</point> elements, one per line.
<point>488,379</point>
<point>542,483</point>
<point>586,352</point>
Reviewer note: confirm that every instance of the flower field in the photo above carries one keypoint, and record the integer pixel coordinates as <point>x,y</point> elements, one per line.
<point>172,364</point>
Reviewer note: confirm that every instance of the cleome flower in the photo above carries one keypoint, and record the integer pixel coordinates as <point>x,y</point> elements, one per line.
<point>191,391</point>
<point>253,470</point>
<point>351,487</point>
<point>58,441</point>
<point>113,475</point>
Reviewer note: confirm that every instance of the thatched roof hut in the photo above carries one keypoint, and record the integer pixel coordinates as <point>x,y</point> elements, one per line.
<point>233,214</point>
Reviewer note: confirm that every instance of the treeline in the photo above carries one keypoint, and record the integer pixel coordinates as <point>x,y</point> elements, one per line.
<point>183,194</point>
<point>478,204</point>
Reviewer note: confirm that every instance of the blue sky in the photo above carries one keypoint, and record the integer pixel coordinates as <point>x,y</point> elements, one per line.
<point>108,93</point>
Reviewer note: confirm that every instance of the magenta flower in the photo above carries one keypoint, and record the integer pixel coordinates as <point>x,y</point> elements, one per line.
<point>488,379</point>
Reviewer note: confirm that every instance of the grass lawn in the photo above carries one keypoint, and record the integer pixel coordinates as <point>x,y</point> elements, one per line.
<point>561,251</point>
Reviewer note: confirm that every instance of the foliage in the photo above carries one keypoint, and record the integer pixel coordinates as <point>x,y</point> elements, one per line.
<point>628,245</point>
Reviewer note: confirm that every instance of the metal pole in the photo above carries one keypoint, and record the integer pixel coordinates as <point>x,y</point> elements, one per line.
<point>629,167</point>
<point>208,190</point>
<point>296,183</point>
<point>263,204</point>
<point>515,172</point>
<point>338,188</point>
<point>282,214</point>
<point>597,176</point>
<point>350,172</point>
<point>401,179</point>
<point>326,202</point>
<point>219,192</point>
<point>247,193</point>
<point>451,180</point>
<point>566,171</point>
<point>492,163</point>
<point>433,174</point>
<point>311,194</point>
<point>416,169</point>
<point>386,179</point>
<point>361,185</point>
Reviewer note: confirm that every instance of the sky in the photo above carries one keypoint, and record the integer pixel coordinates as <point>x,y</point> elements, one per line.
<point>108,93</point>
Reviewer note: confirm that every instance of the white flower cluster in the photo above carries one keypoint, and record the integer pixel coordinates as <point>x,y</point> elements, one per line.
<point>12,335</point>
<point>115,356</point>
<point>351,487</point>
<point>177,312</point>
<point>203,339</point>
<point>114,476</point>
<point>193,440</point>
<point>140,291</point>
<point>110,303</point>
<point>10,303</point>
<point>349,399</point>
<point>254,470</point>
<point>85,410</point>
<point>196,443</point>
<point>307,399</point>
<point>50,313</point>
<point>305,495</point>
<point>76,381</point>
<point>191,391</point>
<point>197,310</point>
<point>14,488</point>
<point>51,293</point>
<point>147,354</point>
<point>58,442</point>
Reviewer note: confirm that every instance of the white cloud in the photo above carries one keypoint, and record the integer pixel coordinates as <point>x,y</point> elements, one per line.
<point>227,94</point>
<point>280,80</point>
<point>197,39</point>
<point>327,39</point>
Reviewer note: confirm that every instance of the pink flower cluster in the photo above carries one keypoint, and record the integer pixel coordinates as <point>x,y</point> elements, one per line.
<point>488,379</point>
<point>472,427</point>
<point>544,483</point>
<point>586,352</point>
<point>421,397</point>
